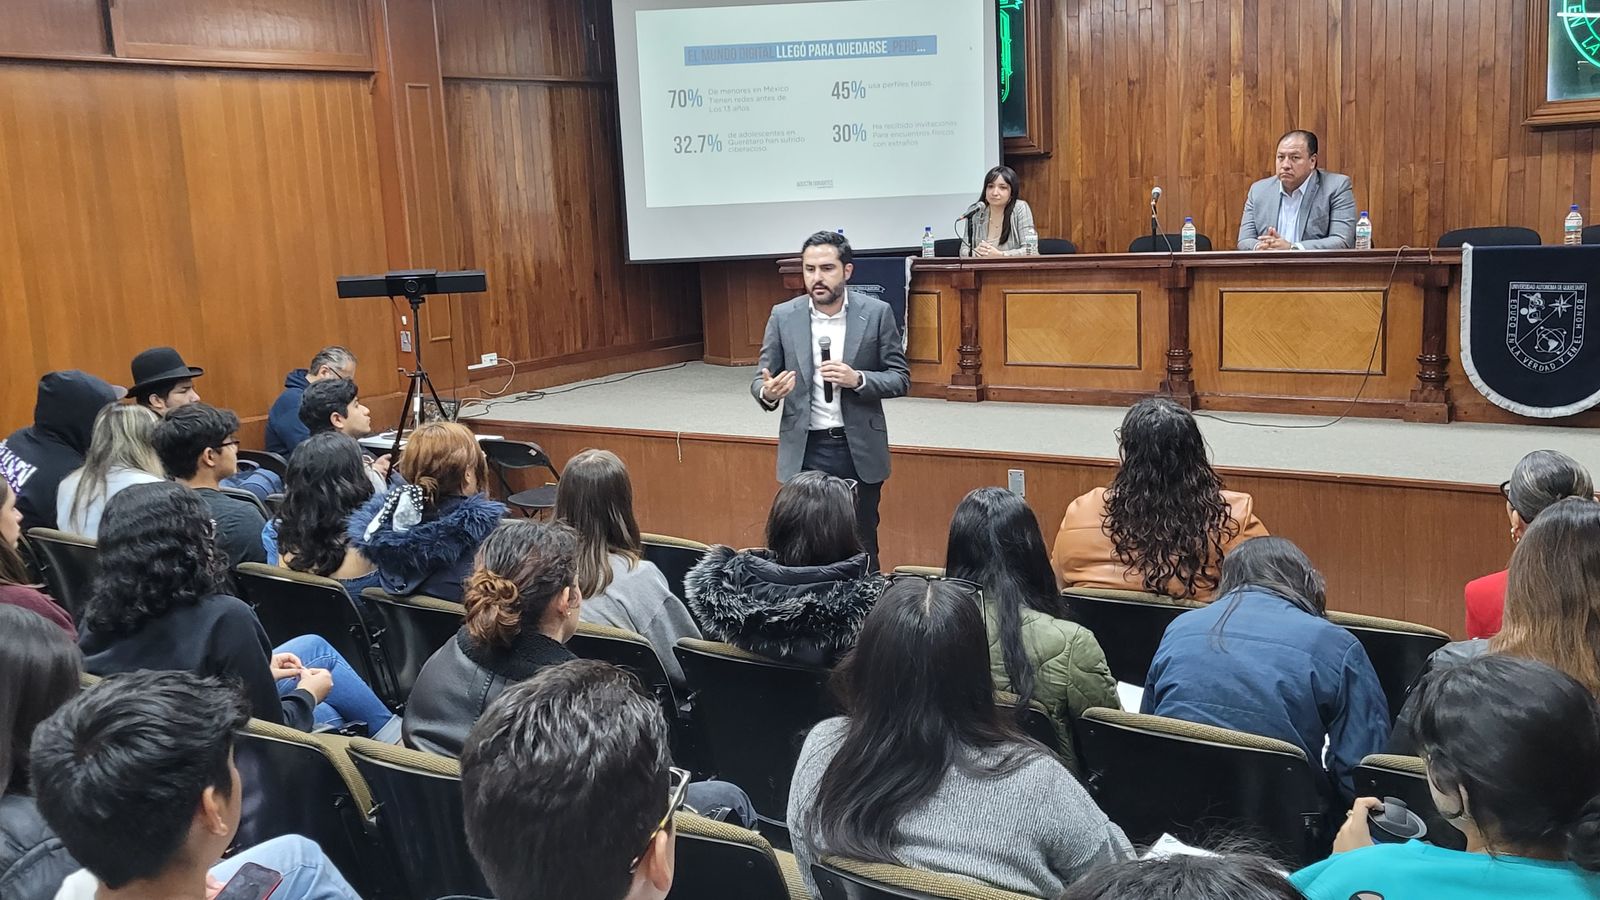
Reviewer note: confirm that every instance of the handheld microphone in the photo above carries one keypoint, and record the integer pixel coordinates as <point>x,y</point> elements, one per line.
<point>826,343</point>
<point>1155,195</point>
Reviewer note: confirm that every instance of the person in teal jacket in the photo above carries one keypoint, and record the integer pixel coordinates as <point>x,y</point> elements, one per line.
<point>1511,747</point>
<point>1035,651</point>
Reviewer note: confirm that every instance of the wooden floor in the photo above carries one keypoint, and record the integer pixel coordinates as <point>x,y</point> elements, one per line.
<point>1393,547</point>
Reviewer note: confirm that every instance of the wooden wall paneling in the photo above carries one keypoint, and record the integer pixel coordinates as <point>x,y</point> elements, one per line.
<point>1363,533</point>
<point>305,33</point>
<point>208,210</point>
<point>736,298</point>
<point>1421,103</point>
<point>524,39</point>
<point>54,28</point>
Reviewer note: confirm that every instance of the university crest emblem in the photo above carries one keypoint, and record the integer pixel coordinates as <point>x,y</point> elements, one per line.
<point>1544,323</point>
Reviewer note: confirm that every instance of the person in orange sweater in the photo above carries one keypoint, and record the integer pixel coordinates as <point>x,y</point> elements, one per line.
<point>1164,523</point>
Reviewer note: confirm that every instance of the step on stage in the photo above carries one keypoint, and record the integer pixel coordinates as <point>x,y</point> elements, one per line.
<point>1398,515</point>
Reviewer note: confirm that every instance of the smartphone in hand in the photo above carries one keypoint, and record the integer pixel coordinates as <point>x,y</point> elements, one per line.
<point>251,882</point>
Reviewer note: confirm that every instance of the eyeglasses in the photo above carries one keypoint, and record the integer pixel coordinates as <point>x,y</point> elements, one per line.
<point>971,587</point>
<point>230,442</point>
<point>1505,490</point>
<point>677,789</point>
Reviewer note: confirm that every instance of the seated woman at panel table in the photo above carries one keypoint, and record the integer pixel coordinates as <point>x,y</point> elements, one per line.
<point>1540,479</point>
<point>1165,523</point>
<point>1003,222</point>
<point>1510,748</point>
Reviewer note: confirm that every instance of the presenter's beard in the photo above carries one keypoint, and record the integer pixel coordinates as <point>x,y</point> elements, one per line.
<point>823,295</point>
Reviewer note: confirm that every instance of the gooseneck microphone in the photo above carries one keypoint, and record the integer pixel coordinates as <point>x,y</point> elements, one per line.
<point>826,343</point>
<point>1155,224</point>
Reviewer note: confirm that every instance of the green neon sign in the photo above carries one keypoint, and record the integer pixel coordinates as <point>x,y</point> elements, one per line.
<point>1580,21</point>
<point>1008,9</point>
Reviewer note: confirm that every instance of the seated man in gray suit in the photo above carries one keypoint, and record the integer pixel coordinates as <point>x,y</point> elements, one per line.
<point>844,349</point>
<point>1301,207</point>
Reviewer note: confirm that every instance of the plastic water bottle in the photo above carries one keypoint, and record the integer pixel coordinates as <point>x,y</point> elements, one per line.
<point>1031,242</point>
<point>927,242</point>
<point>1364,232</point>
<point>1188,234</point>
<point>1573,233</point>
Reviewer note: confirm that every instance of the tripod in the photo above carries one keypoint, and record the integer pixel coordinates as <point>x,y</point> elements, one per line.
<point>411,411</point>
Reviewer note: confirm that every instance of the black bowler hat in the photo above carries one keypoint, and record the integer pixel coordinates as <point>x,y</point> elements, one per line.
<point>158,365</point>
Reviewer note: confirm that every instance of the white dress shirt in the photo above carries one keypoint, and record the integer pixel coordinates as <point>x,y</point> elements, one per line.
<point>823,413</point>
<point>1289,212</point>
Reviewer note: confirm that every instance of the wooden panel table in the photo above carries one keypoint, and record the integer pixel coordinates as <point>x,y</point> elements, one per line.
<point>1371,333</point>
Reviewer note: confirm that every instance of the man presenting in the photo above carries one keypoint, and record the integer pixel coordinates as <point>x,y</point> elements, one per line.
<point>1301,207</point>
<point>844,352</point>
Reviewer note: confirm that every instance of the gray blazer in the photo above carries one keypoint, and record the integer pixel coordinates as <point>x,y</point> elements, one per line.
<point>1327,214</point>
<point>872,346</point>
<point>1015,244</point>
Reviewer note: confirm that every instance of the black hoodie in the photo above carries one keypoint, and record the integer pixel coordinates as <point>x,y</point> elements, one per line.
<point>35,459</point>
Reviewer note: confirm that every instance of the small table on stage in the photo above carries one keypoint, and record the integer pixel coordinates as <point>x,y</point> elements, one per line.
<point>1302,332</point>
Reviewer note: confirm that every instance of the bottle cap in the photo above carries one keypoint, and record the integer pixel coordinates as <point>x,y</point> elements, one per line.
<point>1363,212</point>
<point>1188,220</point>
<point>1574,207</point>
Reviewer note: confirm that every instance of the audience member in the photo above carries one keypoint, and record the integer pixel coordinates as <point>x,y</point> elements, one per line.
<point>805,596</point>
<point>285,431</point>
<point>34,459</point>
<point>39,669</point>
<point>568,788</point>
<point>1227,876</point>
<point>422,536</point>
<point>333,405</point>
<point>137,776</point>
<point>162,381</point>
<point>522,607</point>
<point>120,455</point>
<point>1540,479</point>
<point>1165,522</point>
<point>1034,651</point>
<point>158,603</point>
<point>1510,748</point>
<point>620,588</point>
<point>1264,659</point>
<point>17,587</point>
<point>924,771</point>
<point>325,484</point>
<point>199,447</point>
<point>1552,611</point>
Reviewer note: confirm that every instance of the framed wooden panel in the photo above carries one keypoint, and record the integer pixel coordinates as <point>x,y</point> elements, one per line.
<point>1026,111</point>
<point>1563,66</point>
<point>924,336</point>
<point>320,34</point>
<point>53,28</point>
<point>1320,331</point>
<point>1071,329</point>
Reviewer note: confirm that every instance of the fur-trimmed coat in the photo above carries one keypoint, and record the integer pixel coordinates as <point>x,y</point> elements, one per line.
<point>806,614</point>
<point>433,557</point>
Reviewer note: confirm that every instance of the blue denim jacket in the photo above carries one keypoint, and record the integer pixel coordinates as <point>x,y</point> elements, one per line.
<point>1272,670</point>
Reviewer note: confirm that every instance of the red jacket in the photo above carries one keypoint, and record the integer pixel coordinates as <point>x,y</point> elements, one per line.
<point>28,598</point>
<point>1486,600</point>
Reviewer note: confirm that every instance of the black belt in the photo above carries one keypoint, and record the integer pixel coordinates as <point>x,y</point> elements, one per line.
<point>835,433</point>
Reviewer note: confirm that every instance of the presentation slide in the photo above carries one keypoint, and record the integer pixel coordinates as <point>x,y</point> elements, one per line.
<point>747,126</point>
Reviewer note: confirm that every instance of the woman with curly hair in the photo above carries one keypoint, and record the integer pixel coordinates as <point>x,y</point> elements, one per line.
<point>326,482</point>
<point>422,535</point>
<point>1165,522</point>
<point>159,602</point>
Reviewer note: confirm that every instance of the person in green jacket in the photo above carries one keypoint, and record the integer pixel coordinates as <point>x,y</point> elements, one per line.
<point>1035,652</point>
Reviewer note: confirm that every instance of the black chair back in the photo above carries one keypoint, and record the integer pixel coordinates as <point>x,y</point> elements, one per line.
<point>507,456</point>
<point>674,556</point>
<point>244,496</point>
<point>1056,246</point>
<point>290,604</point>
<point>1399,651</point>
<point>266,459</point>
<point>1154,775</point>
<point>1493,236</point>
<point>630,651</point>
<point>1166,243</point>
<point>1032,719</point>
<point>413,628</point>
<point>840,879</point>
<point>1128,625</point>
<point>1591,234</point>
<point>70,564</point>
<point>947,247</point>
<point>753,714</point>
<point>715,860</point>
<point>1404,778</point>
<point>292,785</point>
<point>419,820</point>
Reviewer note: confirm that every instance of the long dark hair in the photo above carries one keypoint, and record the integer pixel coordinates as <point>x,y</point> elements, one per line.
<point>326,482</point>
<point>1518,739</point>
<point>39,669</point>
<point>1278,567</point>
<point>1552,611</point>
<point>595,497</point>
<point>158,550</point>
<point>1164,509</point>
<point>1009,176</point>
<point>995,540</point>
<point>813,521</point>
<point>919,697</point>
<point>13,568</point>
